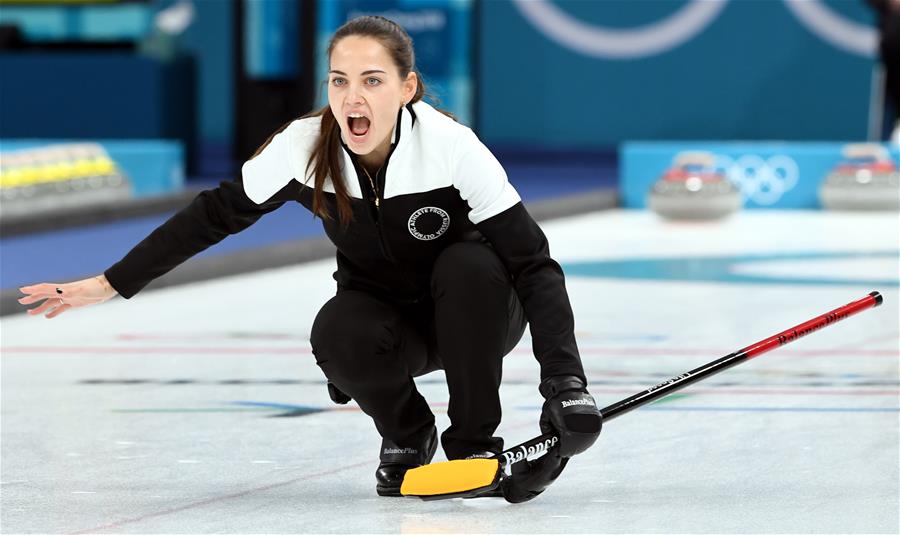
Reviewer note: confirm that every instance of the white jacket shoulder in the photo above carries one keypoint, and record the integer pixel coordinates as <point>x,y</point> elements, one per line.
<point>436,125</point>
<point>475,172</point>
<point>283,159</point>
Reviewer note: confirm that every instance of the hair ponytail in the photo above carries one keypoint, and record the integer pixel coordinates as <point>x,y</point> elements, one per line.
<point>326,162</point>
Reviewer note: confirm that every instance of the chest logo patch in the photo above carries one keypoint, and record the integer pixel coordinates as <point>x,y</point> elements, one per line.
<point>428,223</point>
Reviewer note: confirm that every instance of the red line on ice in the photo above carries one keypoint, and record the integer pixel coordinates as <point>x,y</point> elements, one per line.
<point>201,503</point>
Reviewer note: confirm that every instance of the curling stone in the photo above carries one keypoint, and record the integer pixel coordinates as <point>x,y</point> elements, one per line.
<point>694,189</point>
<point>867,179</point>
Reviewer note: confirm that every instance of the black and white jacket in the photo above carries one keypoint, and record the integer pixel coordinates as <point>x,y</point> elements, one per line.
<point>440,185</point>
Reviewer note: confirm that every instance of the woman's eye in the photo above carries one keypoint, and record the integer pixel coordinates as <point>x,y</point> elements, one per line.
<point>338,82</point>
<point>373,81</point>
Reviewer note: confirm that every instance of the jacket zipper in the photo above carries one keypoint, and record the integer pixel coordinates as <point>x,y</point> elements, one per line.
<point>379,179</point>
<point>376,213</point>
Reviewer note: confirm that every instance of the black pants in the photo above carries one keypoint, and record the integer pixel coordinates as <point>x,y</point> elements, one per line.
<point>371,349</point>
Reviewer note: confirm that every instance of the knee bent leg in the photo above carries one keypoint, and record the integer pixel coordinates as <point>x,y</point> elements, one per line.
<point>469,265</point>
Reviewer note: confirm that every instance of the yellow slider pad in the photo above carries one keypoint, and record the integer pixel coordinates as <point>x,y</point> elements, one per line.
<point>450,477</point>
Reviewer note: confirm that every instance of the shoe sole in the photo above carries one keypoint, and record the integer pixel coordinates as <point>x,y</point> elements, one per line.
<point>387,491</point>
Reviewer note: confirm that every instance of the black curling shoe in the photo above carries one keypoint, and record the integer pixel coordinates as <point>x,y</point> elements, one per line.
<point>396,460</point>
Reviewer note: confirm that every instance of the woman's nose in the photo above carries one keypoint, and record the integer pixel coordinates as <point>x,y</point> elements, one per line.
<point>354,95</point>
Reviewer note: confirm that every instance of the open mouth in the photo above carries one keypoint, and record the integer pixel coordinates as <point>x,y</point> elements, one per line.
<point>359,126</point>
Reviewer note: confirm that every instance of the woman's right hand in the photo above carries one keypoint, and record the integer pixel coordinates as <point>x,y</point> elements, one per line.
<point>57,298</point>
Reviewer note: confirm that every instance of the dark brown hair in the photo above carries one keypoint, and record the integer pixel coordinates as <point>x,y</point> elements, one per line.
<point>325,159</point>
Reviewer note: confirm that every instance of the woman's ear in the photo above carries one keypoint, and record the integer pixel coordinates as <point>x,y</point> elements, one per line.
<point>409,87</point>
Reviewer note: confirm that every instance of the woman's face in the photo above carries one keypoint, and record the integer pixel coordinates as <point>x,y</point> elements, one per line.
<point>365,92</point>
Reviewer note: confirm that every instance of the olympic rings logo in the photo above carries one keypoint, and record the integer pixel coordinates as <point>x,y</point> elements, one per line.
<point>681,26</point>
<point>763,180</point>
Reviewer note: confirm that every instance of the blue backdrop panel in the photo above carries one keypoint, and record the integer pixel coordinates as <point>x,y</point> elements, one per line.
<point>80,95</point>
<point>206,39</point>
<point>271,39</point>
<point>770,174</point>
<point>572,73</point>
<point>154,167</point>
<point>59,22</point>
<point>440,30</point>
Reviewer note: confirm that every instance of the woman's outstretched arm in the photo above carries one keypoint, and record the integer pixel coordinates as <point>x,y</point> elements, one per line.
<point>213,215</point>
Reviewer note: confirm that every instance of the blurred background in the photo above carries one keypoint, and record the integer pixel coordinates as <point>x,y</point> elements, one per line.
<point>114,113</point>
